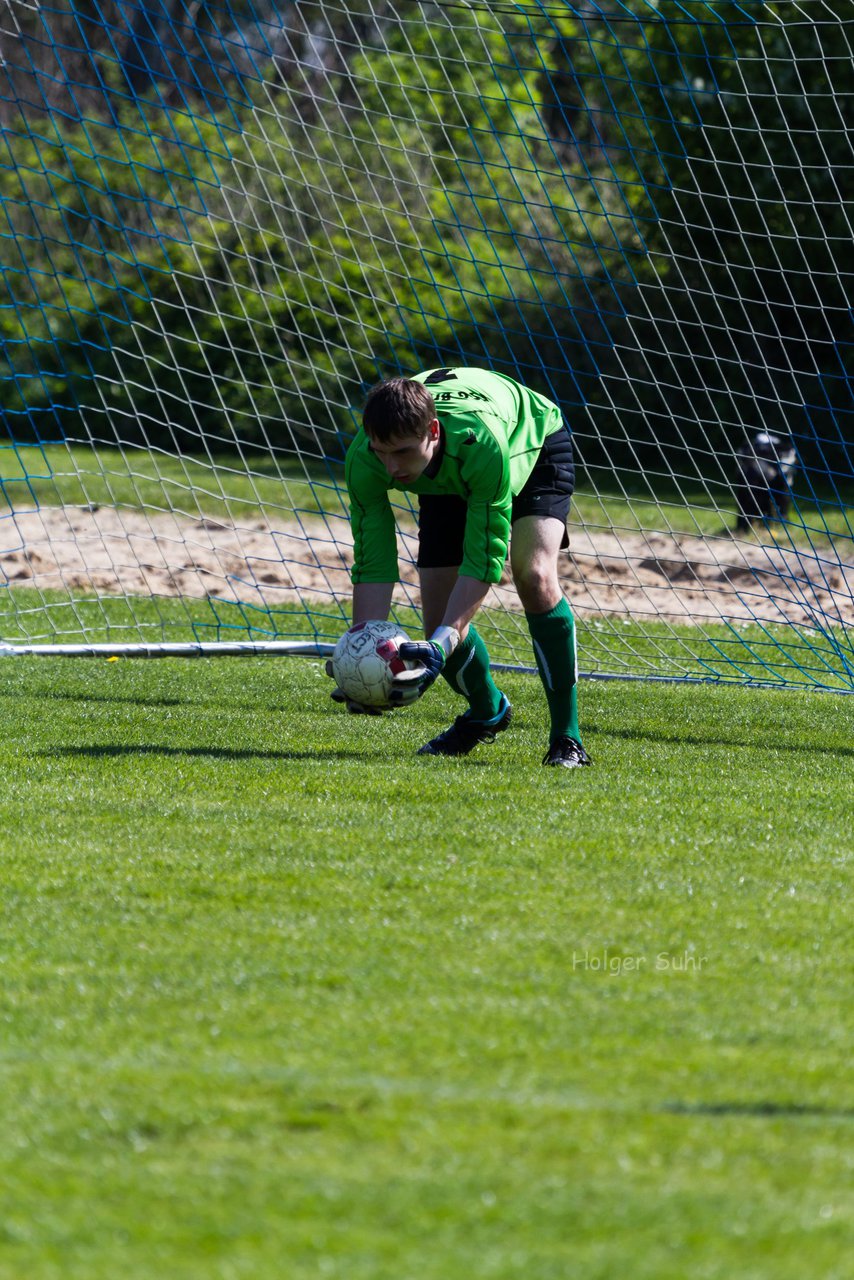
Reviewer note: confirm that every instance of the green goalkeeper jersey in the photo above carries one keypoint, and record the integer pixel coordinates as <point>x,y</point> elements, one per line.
<point>492,431</point>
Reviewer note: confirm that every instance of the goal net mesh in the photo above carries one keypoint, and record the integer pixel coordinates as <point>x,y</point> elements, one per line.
<point>222,223</point>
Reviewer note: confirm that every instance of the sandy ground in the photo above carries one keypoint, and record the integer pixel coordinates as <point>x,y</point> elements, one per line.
<point>678,578</point>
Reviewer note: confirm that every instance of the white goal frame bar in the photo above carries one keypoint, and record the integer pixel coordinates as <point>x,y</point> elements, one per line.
<point>310,649</point>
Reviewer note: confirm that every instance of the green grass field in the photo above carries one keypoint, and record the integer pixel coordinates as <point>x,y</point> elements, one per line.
<point>282,1000</point>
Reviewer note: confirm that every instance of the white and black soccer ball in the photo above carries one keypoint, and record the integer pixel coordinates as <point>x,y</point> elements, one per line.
<point>366,660</point>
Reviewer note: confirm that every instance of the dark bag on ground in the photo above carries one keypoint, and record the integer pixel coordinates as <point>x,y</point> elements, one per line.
<point>765,468</point>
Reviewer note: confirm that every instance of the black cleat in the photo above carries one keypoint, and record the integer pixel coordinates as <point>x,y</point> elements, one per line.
<point>465,733</point>
<point>566,753</point>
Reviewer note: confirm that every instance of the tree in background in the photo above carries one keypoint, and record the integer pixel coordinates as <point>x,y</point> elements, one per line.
<point>727,136</point>
<point>239,277</point>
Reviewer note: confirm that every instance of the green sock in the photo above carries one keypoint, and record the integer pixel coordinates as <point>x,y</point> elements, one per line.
<point>467,672</point>
<point>553,636</point>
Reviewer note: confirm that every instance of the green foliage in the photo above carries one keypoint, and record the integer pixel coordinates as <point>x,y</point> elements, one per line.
<point>640,217</point>
<point>729,147</point>
<point>243,286</point>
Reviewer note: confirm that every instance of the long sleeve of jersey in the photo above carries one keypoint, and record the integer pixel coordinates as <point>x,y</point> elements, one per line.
<point>371,518</point>
<point>485,479</point>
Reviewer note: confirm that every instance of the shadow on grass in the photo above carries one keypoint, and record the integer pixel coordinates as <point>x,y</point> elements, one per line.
<point>758,1109</point>
<point>106,751</point>
<point>198,699</point>
<point>101,698</point>
<point>693,740</point>
<point>116,750</point>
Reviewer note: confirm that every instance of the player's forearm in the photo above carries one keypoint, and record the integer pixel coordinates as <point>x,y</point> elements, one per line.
<point>372,601</point>
<point>466,597</point>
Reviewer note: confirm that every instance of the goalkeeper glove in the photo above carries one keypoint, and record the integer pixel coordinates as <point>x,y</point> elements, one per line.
<point>431,656</point>
<point>355,708</point>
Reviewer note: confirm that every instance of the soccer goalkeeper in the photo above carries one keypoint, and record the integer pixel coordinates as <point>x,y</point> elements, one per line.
<point>484,455</point>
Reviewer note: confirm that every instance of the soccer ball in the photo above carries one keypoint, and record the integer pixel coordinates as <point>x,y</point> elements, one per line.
<point>366,660</point>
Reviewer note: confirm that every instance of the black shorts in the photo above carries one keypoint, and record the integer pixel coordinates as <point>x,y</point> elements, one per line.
<point>547,492</point>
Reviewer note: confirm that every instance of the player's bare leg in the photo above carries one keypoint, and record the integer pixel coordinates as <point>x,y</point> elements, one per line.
<point>534,551</point>
<point>533,559</point>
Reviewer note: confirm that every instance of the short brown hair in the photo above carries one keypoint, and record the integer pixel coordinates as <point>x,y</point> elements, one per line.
<point>398,407</point>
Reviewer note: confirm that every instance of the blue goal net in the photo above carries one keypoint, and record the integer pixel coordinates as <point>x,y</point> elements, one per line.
<point>222,223</point>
